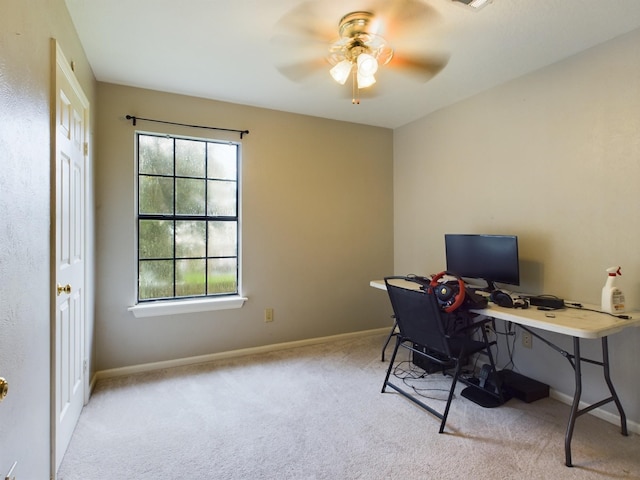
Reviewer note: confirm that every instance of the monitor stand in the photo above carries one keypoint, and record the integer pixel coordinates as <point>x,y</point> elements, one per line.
<point>491,286</point>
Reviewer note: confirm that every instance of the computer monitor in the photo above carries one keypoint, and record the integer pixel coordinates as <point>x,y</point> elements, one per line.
<point>492,258</point>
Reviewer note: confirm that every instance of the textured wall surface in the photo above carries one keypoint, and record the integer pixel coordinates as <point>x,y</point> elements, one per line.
<point>24,252</point>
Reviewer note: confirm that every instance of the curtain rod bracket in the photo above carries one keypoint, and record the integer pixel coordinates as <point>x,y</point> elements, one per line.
<point>134,120</point>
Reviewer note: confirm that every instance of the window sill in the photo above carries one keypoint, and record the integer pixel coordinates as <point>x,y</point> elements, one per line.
<point>156,309</point>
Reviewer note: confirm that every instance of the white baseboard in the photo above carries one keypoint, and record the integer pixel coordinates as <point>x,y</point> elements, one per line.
<point>596,412</point>
<point>180,362</point>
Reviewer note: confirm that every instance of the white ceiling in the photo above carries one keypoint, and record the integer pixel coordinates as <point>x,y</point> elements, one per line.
<point>225,50</point>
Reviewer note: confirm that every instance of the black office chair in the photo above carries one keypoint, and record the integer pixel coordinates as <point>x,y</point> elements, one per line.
<point>394,330</point>
<point>420,321</point>
<point>392,333</point>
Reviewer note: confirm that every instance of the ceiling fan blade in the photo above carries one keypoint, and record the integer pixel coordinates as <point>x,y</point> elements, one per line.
<point>298,72</point>
<point>423,68</point>
<point>301,39</point>
<point>307,22</point>
<point>402,17</point>
<point>297,55</point>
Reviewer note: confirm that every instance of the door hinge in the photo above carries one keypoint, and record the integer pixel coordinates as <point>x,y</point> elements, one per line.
<point>86,148</point>
<point>84,366</point>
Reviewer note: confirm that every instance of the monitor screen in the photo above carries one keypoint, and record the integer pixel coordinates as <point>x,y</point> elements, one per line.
<point>493,258</point>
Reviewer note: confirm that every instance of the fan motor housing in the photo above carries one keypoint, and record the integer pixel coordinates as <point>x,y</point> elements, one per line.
<point>355,23</point>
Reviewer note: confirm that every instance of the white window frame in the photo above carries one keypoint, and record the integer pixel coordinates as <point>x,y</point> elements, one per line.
<point>177,306</point>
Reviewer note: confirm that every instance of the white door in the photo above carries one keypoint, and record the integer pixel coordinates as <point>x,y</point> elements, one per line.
<point>68,344</point>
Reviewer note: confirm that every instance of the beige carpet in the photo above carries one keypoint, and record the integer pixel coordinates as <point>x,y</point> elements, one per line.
<point>316,412</point>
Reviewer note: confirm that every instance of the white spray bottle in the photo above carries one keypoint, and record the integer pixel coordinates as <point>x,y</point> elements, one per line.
<point>612,296</point>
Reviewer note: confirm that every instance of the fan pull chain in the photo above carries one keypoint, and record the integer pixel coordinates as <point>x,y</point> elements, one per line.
<point>355,94</point>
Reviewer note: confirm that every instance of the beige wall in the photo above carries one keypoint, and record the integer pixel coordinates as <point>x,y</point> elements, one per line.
<point>316,226</point>
<point>553,157</point>
<point>26,29</point>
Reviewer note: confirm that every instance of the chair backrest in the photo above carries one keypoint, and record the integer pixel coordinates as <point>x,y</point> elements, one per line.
<point>418,314</point>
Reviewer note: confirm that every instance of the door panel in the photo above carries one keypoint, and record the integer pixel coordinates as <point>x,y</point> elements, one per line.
<point>69,376</point>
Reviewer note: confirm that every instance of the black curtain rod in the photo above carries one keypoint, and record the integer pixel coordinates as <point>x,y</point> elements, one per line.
<point>134,119</point>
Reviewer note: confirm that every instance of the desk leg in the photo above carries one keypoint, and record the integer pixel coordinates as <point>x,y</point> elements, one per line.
<point>575,410</point>
<point>576,401</point>
<point>614,395</point>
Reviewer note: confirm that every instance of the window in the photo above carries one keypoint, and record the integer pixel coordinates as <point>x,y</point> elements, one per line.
<point>187,217</point>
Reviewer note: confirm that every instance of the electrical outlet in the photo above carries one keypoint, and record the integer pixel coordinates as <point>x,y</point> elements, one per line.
<point>527,340</point>
<point>268,314</point>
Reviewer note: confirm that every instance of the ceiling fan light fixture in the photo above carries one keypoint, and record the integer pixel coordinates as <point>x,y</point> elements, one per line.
<point>358,52</point>
<point>341,71</point>
<point>365,81</point>
<point>367,65</point>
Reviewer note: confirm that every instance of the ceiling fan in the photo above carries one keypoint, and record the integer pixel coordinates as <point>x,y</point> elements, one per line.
<point>382,33</point>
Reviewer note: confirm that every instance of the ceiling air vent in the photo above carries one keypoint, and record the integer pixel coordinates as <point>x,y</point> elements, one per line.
<point>477,4</point>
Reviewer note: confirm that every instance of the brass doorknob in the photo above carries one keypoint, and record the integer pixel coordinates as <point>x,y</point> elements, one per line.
<point>4,388</point>
<point>64,289</point>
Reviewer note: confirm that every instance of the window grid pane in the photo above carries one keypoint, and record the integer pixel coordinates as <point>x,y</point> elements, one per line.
<point>187,218</point>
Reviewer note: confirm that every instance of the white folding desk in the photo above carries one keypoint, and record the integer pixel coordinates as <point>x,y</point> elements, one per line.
<point>578,324</point>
